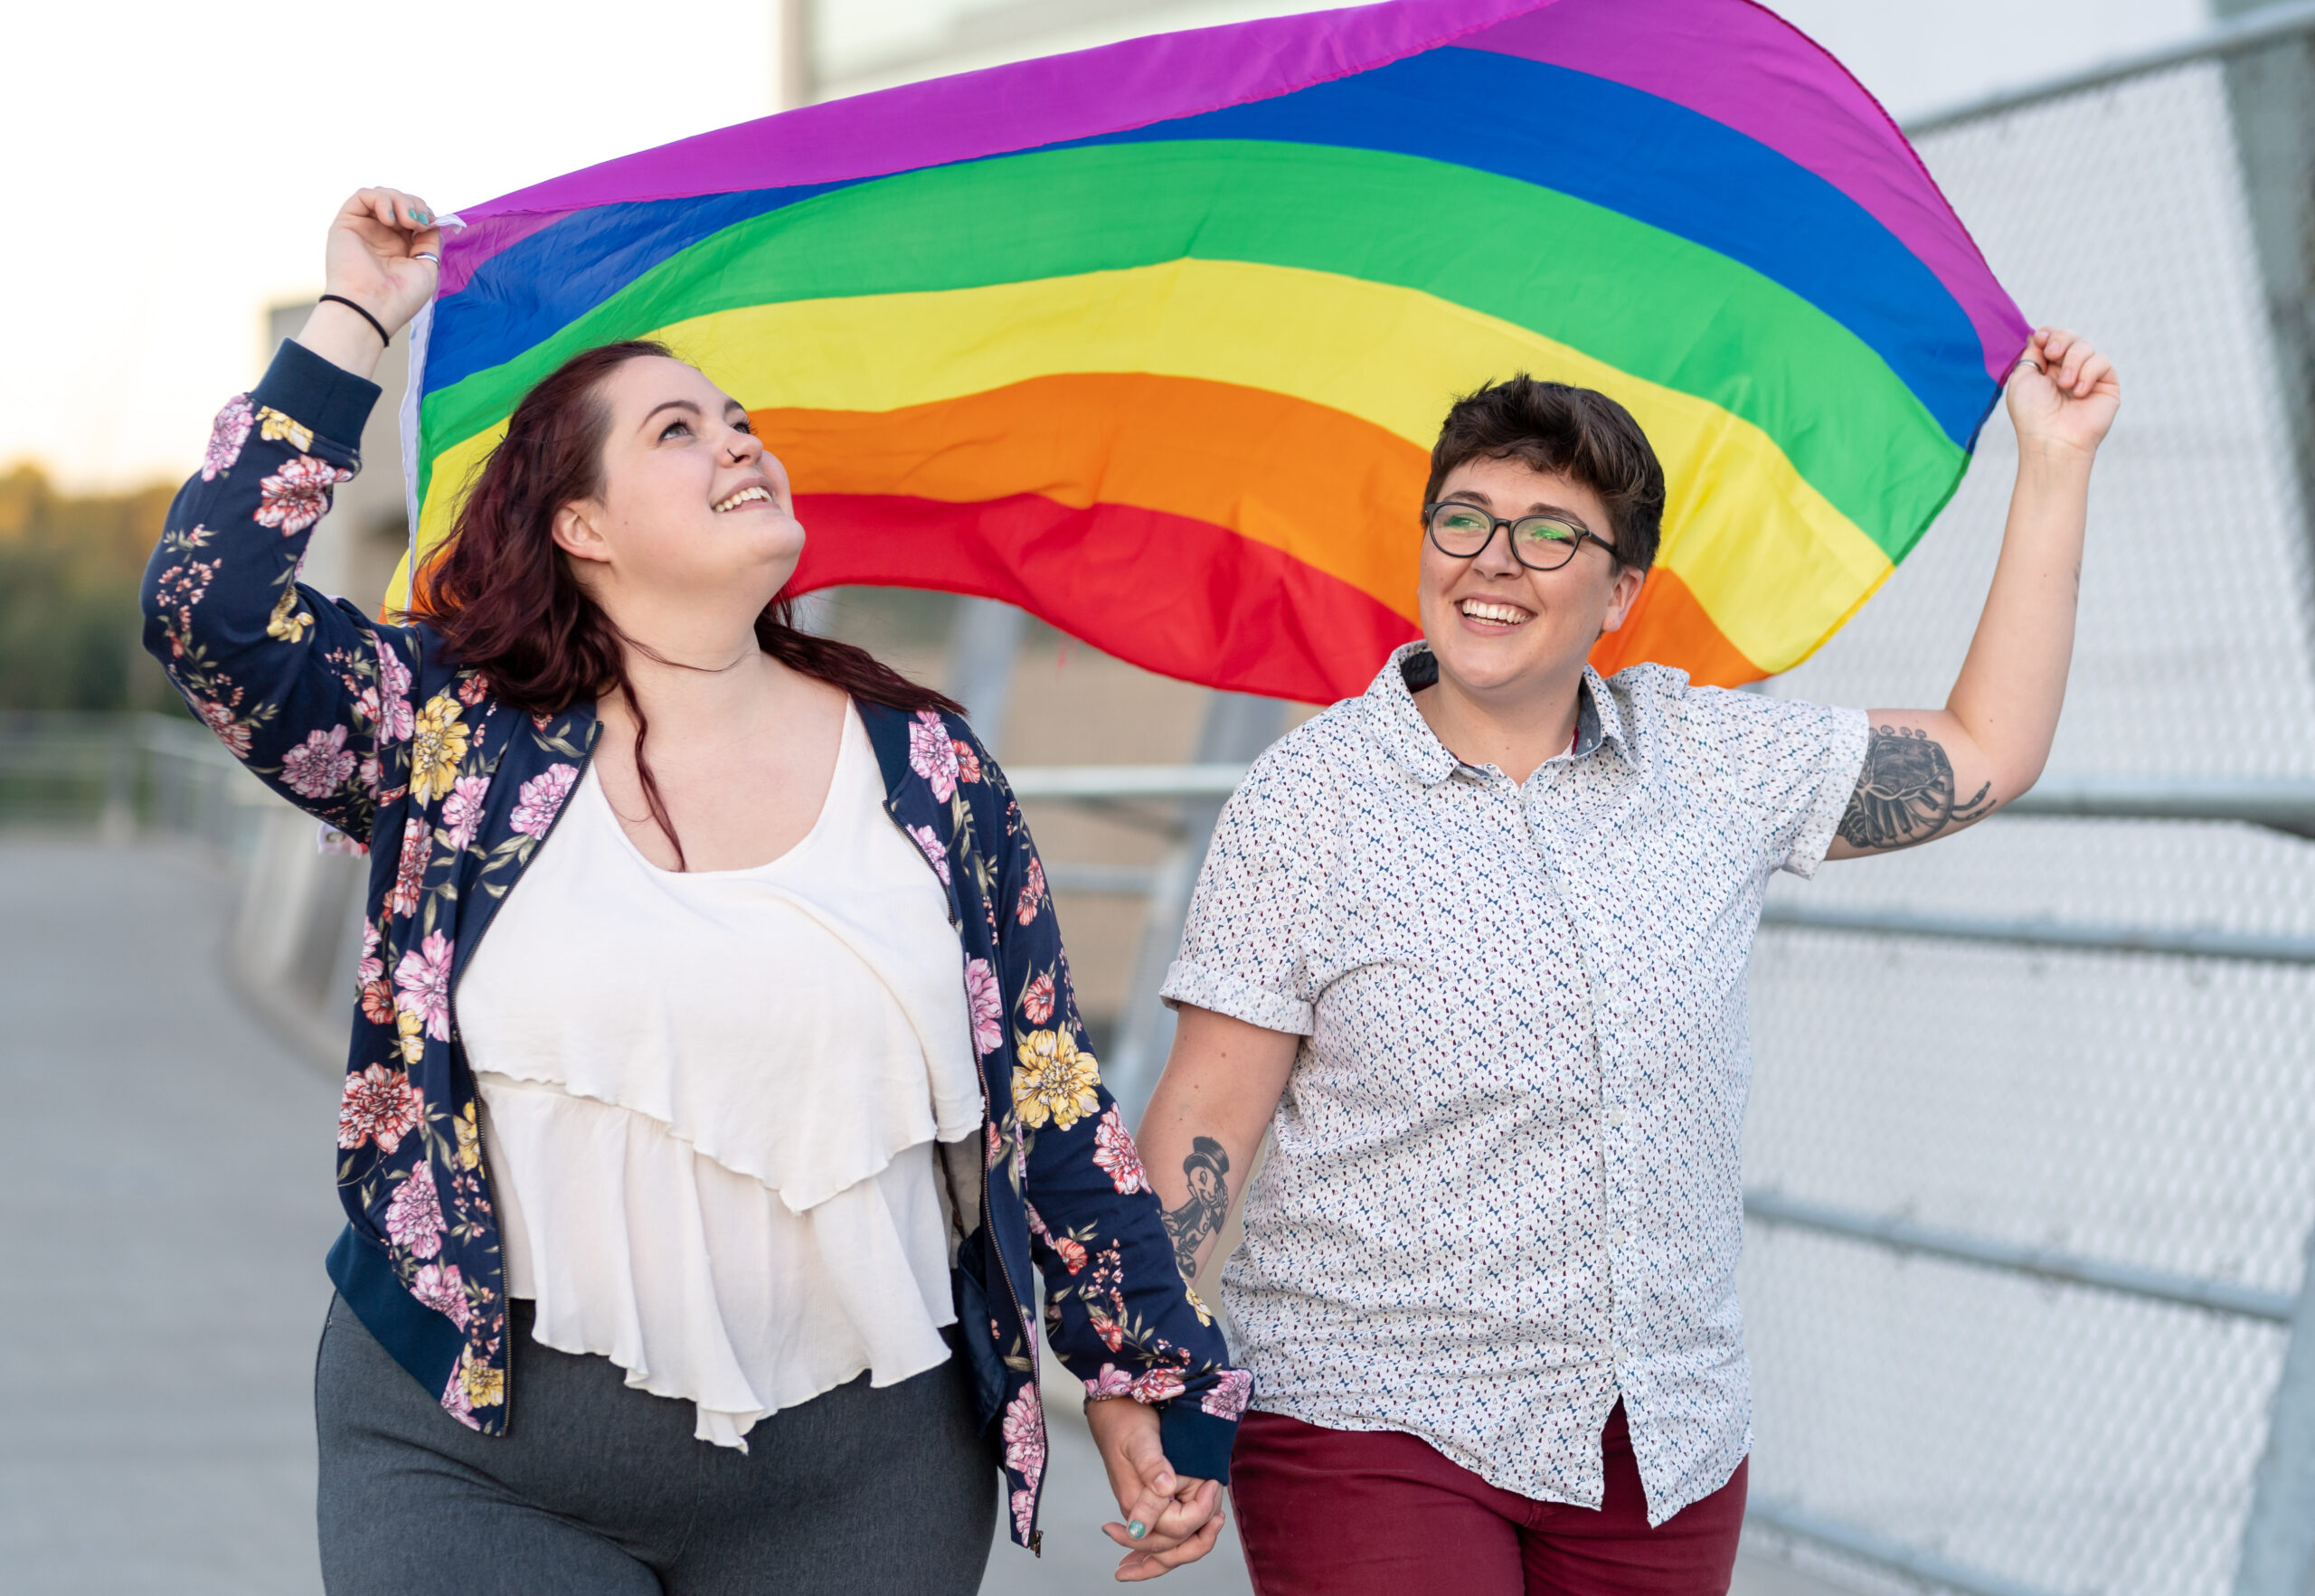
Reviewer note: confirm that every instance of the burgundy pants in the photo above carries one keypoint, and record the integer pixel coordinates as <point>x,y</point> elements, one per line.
<point>1354,1513</point>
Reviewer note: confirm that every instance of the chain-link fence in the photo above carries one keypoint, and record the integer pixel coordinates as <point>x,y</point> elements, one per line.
<point>2031,1202</point>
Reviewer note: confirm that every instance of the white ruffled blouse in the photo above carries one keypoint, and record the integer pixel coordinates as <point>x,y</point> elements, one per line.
<point>710,1101</point>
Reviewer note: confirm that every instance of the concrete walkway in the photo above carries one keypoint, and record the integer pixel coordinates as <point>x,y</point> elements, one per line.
<point>160,1301</point>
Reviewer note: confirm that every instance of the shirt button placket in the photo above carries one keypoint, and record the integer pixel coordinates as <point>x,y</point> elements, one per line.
<point>1611,1118</point>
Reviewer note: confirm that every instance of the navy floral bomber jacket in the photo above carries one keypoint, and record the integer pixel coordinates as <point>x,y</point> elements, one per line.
<point>371,729</point>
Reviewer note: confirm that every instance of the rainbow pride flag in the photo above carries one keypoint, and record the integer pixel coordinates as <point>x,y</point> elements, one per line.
<point>1153,340</point>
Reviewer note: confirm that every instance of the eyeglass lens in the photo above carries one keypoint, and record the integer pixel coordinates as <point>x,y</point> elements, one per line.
<point>1538,542</point>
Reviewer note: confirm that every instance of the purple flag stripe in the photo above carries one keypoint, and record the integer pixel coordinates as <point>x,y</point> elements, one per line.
<point>468,249</point>
<point>1048,100</point>
<point>1713,60</point>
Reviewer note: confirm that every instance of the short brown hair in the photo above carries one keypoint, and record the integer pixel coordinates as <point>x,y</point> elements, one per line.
<point>1574,432</point>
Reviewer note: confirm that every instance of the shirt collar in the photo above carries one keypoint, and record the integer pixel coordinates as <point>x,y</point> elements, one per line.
<point>1403,732</point>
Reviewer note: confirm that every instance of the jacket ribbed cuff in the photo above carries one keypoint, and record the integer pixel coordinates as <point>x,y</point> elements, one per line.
<point>312,392</point>
<point>1196,1443</point>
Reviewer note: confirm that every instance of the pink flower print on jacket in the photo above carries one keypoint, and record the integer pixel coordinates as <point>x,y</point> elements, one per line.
<point>226,436</point>
<point>932,754</point>
<point>409,870</point>
<point>318,766</point>
<point>370,975</point>
<point>1158,1385</point>
<point>1036,999</point>
<point>1032,893</point>
<point>1118,1158</point>
<point>933,851</point>
<point>371,966</point>
<point>1112,1382</point>
<point>396,720</point>
<point>219,720</point>
<point>295,496</point>
<point>378,1105</point>
<point>1024,1435</point>
<point>455,1400</point>
<point>988,1004</point>
<point>539,799</point>
<point>414,1218</point>
<point>423,984</point>
<point>462,810</point>
<point>1228,1398</point>
<point>1070,1251</point>
<point>441,1287</point>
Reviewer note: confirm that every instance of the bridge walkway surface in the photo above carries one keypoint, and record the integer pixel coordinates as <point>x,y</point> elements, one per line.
<point>165,1200</point>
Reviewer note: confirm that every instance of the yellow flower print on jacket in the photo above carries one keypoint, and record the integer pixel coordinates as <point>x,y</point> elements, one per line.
<point>1054,1080</point>
<point>483,1386</point>
<point>288,623</point>
<point>435,747</point>
<point>469,1137</point>
<point>273,425</point>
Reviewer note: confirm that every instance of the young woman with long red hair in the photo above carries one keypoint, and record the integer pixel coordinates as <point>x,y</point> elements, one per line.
<point>730,1146</point>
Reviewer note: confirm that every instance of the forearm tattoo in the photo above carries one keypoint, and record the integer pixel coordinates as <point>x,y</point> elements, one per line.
<point>1206,1206</point>
<point>1905,795</point>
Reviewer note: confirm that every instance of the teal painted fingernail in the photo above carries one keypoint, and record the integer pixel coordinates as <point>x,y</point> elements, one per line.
<point>1137,1529</point>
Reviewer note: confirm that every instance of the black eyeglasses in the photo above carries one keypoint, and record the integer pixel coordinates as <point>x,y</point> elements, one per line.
<point>1539,543</point>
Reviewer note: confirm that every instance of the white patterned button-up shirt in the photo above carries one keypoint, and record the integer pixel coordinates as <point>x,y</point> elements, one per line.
<point>1504,1188</point>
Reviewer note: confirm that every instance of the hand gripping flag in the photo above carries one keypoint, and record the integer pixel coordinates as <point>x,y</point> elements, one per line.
<point>1153,340</point>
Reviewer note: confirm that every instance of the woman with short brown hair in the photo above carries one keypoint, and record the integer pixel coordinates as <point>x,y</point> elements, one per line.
<point>1472,947</point>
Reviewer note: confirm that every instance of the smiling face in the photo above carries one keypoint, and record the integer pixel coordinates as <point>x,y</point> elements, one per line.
<point>1500,631</point>
<point>691,507</point>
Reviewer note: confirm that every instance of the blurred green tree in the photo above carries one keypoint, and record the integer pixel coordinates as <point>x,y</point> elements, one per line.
<point>68,569</point>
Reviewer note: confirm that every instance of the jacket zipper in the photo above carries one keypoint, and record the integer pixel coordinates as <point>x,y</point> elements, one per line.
<point>988,1223</point>
<point>988,1220</point>
<point>457,1040</point>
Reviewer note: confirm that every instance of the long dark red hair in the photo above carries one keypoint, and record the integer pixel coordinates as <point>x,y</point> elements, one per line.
<point>506,602</point>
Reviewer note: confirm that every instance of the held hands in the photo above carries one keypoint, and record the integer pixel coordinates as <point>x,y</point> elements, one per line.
<point>373,258</point>
<point>1180,1517</point>
<point>2063,394</point>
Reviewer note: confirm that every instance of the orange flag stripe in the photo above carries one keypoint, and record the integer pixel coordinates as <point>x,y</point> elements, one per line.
<point>1311,482</point>
<point>1669,623</point>
<point>1264,462</point>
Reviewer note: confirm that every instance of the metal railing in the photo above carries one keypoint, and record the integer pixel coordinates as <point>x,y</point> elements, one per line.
<point>2282,805</point>
<point>1905,1237</point>
<point>2270,25</point>
<point>126,775</point>
<point>2286,806</point>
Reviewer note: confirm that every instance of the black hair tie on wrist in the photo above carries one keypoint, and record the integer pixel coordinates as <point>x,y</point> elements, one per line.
<point>384,335</point>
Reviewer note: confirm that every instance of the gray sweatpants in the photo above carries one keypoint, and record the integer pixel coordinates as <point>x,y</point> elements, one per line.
<point>598,1490</point>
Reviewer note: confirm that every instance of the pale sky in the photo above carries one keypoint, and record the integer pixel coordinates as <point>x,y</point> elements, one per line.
<point>171,167</point>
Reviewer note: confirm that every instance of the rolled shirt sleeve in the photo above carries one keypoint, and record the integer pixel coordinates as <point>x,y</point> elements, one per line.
<point>1246,943</point>
<point>1822,754</point>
